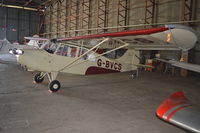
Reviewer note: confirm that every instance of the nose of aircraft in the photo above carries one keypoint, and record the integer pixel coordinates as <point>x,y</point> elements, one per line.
<point>17,53</point>
<point>24,57</point>
<point>33,59</point>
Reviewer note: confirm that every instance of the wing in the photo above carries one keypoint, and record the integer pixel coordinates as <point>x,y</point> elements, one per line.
<point>178,110</point>
<point>36,38</point>
<point>188,66</point>
<point>163,38</point>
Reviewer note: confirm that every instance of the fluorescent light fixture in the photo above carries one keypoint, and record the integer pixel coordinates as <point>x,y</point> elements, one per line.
<point>20,7</point>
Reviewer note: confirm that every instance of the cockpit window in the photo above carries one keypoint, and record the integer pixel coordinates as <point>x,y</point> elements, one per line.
<point>73,51</point>
<point>81,52</point>
<point>53,47</point>
<point>50,47</point>
<point>115,54</point>
<point>66,50</point>
<point>60,50</point>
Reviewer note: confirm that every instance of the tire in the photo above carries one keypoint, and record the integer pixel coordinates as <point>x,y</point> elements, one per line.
<point>37,78</point>
<point>54,85</point>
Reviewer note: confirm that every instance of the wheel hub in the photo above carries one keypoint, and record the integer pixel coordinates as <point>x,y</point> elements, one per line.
<point>55,86</point>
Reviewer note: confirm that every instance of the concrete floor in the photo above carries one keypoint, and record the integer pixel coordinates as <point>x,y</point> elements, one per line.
<point>111,103</point>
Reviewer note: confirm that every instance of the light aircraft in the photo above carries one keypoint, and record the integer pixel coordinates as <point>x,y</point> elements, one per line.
<point>101,53</point>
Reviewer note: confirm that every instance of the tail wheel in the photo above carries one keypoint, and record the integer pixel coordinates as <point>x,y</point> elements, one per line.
<point>54,85</point>
<point>38,78</point>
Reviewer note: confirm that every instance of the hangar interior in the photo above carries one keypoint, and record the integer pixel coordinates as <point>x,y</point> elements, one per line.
<point>98,103</point>
<point>66,18</point>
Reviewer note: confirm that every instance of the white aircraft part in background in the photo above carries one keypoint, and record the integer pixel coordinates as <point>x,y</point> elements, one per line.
<point>187,66</point>
<point>35,40</point>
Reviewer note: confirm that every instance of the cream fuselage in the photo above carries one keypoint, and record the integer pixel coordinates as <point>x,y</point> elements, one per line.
<point>41,60</point>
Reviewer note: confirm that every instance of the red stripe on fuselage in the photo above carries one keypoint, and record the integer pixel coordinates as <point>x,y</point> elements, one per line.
<point>99,70</point>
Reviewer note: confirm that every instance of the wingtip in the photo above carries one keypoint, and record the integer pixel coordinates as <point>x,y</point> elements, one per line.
<point>177,98</point>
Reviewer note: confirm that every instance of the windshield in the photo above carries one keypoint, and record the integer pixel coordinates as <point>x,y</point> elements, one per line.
<point>65,50</point>
<point>70,51</point>
<point>50,47</point>
<point>115,54</point>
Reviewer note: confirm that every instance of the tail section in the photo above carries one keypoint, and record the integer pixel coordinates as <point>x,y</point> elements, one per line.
<point>130,60</point>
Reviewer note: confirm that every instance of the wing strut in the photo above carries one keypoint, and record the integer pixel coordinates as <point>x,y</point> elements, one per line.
<point>125,44</point>
<point>71,63</point>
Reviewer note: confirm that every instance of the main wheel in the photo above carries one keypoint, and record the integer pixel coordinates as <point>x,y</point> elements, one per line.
<point>38,78</point>
<point>54,85</point>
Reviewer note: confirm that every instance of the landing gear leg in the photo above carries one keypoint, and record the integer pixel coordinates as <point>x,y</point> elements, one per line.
<point>38,78</point>
<point>54,85</point>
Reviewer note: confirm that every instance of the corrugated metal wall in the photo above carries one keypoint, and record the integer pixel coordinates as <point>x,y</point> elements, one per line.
<point>17,23</point>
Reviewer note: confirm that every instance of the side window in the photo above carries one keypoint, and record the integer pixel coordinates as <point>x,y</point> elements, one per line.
<point>73,51</point>
<point>53,47</point>
<point>62,50</point>
<point>65,50</point>
<point>47,46</point>
<point>111,55</point>
<point>50,47</point>
<point>81,52</point>
<point>116,54</point>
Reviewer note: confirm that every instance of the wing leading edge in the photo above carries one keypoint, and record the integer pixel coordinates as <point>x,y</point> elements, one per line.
<point>117,34</point>
<point>163,38</point>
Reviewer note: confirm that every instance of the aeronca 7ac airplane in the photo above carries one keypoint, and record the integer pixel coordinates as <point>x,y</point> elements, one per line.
<point>100,53</point>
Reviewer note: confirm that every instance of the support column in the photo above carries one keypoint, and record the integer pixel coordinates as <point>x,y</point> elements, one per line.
<point>50,21</point>
<point>187,10</point>
<point>188,15</point>
<point>73,18</point>
<point>85,15</point>
<point>150,11</point>
<point>102,15</point>
<point>122,13</point>
<point>41,27</point>
<point>66,16</point>
<point>58,12</point>
<point>18,25</point>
